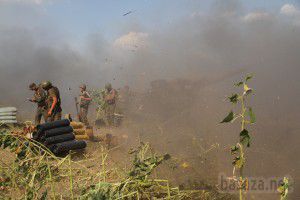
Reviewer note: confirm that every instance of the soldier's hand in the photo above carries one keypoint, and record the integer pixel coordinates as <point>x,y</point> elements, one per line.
<point>49,112</point>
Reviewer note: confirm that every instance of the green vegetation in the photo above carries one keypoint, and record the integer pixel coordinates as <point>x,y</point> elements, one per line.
<point>284,189</point>
<point>136,183</point>
<point>33,172</point>
<point>246,116</point>
<point>30,171</point>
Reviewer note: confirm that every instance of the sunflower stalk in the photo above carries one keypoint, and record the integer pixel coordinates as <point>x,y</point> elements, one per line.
<point>247,117</point>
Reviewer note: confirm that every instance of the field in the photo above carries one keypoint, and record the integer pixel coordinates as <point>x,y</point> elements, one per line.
<point>96,173</point>
<point>162,150</point>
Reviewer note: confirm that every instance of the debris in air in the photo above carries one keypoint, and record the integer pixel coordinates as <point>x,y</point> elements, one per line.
<point>128,13</point>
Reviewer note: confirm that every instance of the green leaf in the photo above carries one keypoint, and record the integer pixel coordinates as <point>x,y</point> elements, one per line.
<point>238,162</point>
<point>234,149</point>
<point>245,138</point>
<point>283,189</point>
<point>251,115</point>
<point>234,98</point>
<point>249,77</point>
<point>239,84</point>
<point>228,118</point>
<point>7,142</point>
<point>247,90</point>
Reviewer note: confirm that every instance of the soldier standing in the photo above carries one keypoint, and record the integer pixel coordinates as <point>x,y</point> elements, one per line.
<point>110,100</point>
<point>85,100</point>
<point>53,101</point>
<point>39,98</point>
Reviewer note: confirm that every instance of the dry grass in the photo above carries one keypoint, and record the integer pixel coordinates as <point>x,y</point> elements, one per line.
<point>91,174</point>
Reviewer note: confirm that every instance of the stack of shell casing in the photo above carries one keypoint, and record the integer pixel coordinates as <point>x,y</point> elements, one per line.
<point>81,131</point>
<point>58,136</point>
<point>8,115</point>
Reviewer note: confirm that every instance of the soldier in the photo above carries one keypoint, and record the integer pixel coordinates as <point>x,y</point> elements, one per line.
<point>53,101</point>
<point>110,100</point>
<point>124,98</point>
<point>40,99</point>
<point>85,100</point>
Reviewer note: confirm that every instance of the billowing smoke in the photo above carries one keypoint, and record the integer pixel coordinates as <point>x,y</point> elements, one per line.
<point>209,49</point>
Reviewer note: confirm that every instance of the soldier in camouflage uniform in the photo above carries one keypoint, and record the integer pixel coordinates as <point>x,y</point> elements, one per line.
<point>39,98</point>
<point>110,100</point>
<point>53,101</point>
<point>85,100</point>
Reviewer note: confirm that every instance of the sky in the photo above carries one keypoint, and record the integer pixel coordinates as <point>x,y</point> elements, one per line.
<point>76,19</point>
<point>93,40</point>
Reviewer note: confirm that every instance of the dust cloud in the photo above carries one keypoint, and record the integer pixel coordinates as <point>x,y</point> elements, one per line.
<point>180,75</point>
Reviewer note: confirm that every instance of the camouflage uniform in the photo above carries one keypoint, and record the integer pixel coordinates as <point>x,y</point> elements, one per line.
<point>41,111</point>
<point>56,113</point>
<point>110,113</point>
<point>110,105</point>
<point>84,107</point>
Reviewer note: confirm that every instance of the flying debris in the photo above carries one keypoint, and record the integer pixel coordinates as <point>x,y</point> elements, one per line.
<point>128,13</point>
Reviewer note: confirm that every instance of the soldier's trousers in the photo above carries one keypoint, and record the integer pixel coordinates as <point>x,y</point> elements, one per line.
<point>40,112</point>
<point>83,115</point>
<point>110,114</point>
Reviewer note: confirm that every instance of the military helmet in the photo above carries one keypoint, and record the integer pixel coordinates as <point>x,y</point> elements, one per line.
<point>32,86</point>
<point>108,86</point>
<point>46,85</point>
<point>83,86</point>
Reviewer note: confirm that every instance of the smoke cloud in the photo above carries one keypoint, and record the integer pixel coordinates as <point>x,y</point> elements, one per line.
<point>209,51</point>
